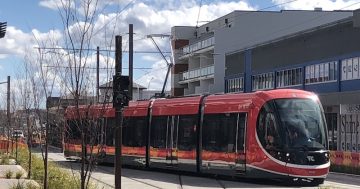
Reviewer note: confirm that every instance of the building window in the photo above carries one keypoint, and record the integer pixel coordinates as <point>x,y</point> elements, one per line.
<point>319,73</point>
<point>350,69</point>
<point>234,85</point>
<point>348,133</point>
<point>290,77</point>
<point>331,120</point>
<point>263,81</point>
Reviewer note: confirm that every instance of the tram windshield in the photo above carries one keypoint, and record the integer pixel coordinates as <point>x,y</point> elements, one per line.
<point>303,123</point>
<point>296,124</point>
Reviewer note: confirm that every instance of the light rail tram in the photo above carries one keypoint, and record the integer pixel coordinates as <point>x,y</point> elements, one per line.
<point>278,134</point>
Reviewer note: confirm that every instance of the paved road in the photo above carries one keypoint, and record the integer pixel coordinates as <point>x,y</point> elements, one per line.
<point>134,179</point>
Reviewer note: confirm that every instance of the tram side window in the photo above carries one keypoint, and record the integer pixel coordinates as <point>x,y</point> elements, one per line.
<point>73,129</point>
<point>134,131</point>
<point>219,132</point>
<point>110,131</point>
<point>187,137</point>
<point>158,131</point>
<point>94,131</point>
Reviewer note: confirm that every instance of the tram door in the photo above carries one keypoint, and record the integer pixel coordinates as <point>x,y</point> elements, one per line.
<point>240,160</point>
<point>163,141</point>
<point>172,141</point>
<point>223,143</point>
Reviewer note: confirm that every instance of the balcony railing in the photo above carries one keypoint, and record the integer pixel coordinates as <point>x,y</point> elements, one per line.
<point>199,45</point>
<point>201,72</point>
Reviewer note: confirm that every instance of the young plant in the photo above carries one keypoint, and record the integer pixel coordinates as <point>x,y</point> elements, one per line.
<point>18,186</point>
<point>19,174</point>
<point>8,174</point>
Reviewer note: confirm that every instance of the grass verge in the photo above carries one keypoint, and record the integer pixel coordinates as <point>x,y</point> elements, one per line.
<point>57,178</point>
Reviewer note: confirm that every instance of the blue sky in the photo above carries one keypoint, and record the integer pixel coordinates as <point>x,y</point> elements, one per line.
<point>28,19</point>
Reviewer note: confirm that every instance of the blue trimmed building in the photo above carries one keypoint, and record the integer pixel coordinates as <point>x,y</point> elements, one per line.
<point>324,59</point>
<point>248,51</point>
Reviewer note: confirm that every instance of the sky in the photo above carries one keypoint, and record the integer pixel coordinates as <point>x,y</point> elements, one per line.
<point>32,23</point>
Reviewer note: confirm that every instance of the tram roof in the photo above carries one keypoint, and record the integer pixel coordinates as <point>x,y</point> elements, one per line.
<point>243,102</point>
<point>216,103</point>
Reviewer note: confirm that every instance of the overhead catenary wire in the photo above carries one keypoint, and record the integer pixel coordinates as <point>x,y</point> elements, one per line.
<point>101,50</point>
<point>116,16</point>
<point>92,68</point>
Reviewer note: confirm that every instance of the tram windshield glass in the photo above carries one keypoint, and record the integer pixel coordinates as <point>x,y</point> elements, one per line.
<point>296,124</point>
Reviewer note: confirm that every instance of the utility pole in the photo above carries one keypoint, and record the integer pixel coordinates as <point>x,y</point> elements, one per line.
<point>97,73</point>
<point>131,62</point>
<point>120,100</point>
<point>7,114</point>
<point>118,112</point>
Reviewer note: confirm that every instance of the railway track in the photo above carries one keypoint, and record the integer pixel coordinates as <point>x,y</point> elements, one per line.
<point>108,170</point>
<point>103,175</point>
<point>104,169</point>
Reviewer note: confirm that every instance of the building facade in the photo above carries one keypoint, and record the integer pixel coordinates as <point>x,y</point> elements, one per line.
<point>200,52</point>
<point>324,60</point>
<point>317,51</point>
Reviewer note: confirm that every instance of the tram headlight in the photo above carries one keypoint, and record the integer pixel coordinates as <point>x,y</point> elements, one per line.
<point>327,158</point>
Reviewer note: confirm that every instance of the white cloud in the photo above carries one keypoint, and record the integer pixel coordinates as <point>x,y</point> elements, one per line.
<point>148,17</point>
<point>51,4</point>
<point>16,42</point>
<point>324,4</point>
<point>155,77</point>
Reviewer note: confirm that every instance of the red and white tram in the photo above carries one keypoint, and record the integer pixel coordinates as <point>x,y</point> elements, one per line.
<point>266,134</point>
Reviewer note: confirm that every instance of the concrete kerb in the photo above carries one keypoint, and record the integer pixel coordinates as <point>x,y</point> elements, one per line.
<point>10,183</point>
<point>14,169</point>
<point>6,183</point>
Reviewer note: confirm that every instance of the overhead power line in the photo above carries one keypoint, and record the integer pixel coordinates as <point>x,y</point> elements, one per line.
<point>103,50</point>
<point>140,68</point>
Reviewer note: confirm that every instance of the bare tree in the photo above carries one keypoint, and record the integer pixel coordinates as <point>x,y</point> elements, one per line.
<point>78,20</point>
<point>25,102</point>
<point>75,81</point>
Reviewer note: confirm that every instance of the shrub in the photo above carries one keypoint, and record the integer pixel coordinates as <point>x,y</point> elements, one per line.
<point>4,160</point>
<point>8,174</point>
<point>18,186</point>
<point>57,178</point>
<point>22,185</point>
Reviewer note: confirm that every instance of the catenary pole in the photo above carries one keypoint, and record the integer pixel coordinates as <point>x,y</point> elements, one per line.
<point>131,61</point>
<point>97,73</point>
<point>118,112</point>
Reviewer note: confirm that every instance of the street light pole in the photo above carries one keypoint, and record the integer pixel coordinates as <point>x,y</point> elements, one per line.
<point>7,112</point>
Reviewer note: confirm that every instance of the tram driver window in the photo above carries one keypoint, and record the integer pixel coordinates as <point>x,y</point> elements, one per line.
<point>267,128</point>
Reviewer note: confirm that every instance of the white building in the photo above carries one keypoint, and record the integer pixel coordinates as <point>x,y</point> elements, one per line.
<point>199,52</point>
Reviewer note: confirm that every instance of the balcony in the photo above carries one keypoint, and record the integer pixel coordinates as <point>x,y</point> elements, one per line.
<point>198,46</point>
<point>197,74</point>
